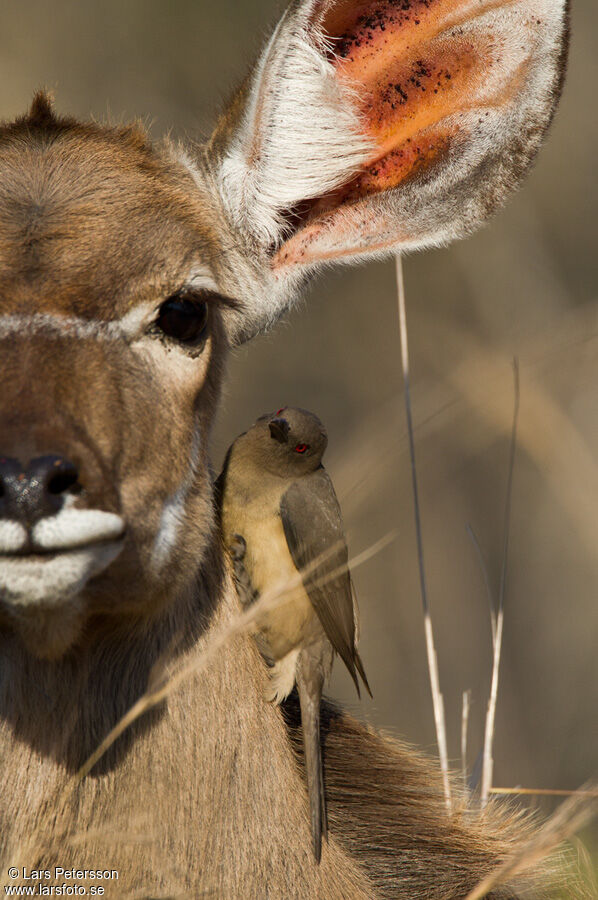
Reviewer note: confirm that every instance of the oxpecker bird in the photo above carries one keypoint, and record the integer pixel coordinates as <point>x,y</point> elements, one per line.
<point>280,516</point>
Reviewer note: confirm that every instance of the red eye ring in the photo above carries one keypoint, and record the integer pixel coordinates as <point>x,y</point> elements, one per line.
<point>279,411</point>
<point>301,448</point>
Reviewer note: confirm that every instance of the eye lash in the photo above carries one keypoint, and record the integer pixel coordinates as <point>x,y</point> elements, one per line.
<point>183,317</point>
<point>210,296</point>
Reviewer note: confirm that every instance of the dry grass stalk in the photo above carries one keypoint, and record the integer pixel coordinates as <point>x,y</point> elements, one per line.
<point>488,761</point>
<point>437,699</point>
<point>484,568</point>
<point>573,815</point>
<point>163,682</point>
<point>545,431</point>
<point>585,866</point>
<point>464,731</point>
<point>63,838</point>
<point>543,792</point>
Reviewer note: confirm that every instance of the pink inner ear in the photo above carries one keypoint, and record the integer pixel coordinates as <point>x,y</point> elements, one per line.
<point>429,78</point>
<point>411,76</point>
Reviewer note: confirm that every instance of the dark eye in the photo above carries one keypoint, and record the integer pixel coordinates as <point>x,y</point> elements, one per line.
<point>301,448</point>
<point>183,317</point>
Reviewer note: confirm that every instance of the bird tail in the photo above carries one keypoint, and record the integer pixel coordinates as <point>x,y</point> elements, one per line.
<point>309,684</point>
<point>361,670</point>
<point>354,667</point>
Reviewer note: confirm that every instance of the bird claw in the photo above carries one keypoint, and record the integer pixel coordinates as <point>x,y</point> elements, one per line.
<point>238,547</point>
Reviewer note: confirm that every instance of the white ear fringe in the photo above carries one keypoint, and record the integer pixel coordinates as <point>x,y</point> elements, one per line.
<point>300,136</point>
<point>499,139</point>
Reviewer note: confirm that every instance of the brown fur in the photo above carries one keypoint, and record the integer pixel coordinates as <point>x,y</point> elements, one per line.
<point>204,795</point>
<point>229,799</point>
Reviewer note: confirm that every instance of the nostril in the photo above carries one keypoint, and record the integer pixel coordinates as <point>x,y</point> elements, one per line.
<point>63,478</point>
<point>28,493</point>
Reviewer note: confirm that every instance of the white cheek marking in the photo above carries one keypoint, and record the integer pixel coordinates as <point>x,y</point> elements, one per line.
<point>26,582</point>
<point>184,373</point>
<point>13,536</point>
<point>134,322</point>
<point>173,512</point>
<point>76,528</point>
<point>183,369</point>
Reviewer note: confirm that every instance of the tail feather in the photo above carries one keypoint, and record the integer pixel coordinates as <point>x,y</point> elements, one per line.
<point>354,665</point>
<point>361,670</point>
<point>309,685</point>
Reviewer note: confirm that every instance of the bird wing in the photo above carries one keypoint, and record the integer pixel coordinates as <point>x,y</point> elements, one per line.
<point>311,519</point>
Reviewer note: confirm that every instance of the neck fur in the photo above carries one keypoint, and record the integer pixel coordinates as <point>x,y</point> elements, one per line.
<point>202,793</point>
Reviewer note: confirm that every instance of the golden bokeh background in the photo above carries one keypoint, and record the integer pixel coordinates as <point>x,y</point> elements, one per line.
<point>525,286</point>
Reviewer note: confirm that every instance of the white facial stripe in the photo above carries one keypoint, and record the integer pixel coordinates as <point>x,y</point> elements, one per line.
<point>72,528</point>
<point>13,536</point>
<point>26,582</point>
<point>61,326</point>
<point>132,325</point>
<point>173,512</point>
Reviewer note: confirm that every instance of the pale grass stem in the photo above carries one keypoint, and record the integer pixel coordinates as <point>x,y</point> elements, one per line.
<point>571,816</point>
<point>464,730</point>
<point>488,760</point>
<point>437,699</point>
<point>162,683</point>
<point>484,568</point>
<point>544,792</point>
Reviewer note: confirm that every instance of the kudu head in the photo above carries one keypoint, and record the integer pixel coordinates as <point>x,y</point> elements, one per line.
<point>126,270</point>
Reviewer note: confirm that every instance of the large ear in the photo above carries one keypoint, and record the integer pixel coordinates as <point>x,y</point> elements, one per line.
<point>375,125</point>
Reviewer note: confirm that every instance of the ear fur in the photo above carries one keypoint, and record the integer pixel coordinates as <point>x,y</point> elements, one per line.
<point>299,134</point>
<point>457,106</point>
<point>377,125</point>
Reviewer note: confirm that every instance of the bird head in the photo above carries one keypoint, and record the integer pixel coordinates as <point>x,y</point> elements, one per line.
<point>289,442</point>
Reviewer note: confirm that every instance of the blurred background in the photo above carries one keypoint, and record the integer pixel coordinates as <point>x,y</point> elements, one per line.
<point>525,287</point>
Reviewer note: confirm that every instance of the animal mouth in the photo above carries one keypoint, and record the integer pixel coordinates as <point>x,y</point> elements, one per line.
<point>67,530</point>
<point>50,562</point>
<point>40,594</point>
<point>47,579</point>
<point>33,554</point>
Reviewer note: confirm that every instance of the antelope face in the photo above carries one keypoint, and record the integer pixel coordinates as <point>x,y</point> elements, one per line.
<point>366,127</point>
<point>110,352</point>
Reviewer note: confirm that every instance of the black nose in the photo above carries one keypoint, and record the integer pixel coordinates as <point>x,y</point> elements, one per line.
<point>279,430</point>
<point>29,494</point>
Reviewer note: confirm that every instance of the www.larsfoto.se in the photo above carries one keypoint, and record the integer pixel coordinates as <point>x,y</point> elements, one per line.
<point>54,890</point>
